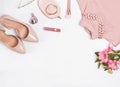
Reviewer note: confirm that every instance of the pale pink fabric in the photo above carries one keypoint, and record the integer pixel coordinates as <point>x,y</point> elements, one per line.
<point>109,12</point>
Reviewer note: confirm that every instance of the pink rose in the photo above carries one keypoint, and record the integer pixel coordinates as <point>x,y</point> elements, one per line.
<point>113,64</point>
<point>103,56</point>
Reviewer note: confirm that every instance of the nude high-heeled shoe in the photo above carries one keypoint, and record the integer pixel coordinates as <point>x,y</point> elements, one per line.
<point>12,42</point>
<point>49,8</point>
<point>24,31</point>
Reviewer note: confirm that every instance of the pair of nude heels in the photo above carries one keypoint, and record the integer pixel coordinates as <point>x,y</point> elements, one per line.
<point>23,31</point>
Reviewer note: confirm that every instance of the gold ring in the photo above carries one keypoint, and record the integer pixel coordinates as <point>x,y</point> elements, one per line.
<point>49,13</point>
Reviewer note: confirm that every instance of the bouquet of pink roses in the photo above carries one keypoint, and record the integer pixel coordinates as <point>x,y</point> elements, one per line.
<point>109,59</point>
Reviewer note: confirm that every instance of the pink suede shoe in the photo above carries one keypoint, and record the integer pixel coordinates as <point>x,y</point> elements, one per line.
<point>24,31</point>
<point>12,42</point>
<point>49,8</point>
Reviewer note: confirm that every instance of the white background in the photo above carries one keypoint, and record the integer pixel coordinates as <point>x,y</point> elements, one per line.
<point>63,59</point>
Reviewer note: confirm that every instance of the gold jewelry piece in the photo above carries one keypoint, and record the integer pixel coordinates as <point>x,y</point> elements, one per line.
<point>23,5</point>
<point>53,6</point>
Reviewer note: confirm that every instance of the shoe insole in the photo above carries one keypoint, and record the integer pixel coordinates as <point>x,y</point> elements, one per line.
<point>22,30</point>
<point>8,40</point>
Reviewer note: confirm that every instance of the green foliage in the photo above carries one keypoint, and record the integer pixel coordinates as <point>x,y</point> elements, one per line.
<point>97,53</point>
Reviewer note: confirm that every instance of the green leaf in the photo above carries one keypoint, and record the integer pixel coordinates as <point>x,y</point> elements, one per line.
<point>97,60</point>
<point>97,53</point>
<point>116,58</point>
<point>114,51</point>
<point>118,54</point>
<point>118,51</point>
<point>111,55</point>
<point>105,64</point>
<point>106,68</point>
<point>99,64</point>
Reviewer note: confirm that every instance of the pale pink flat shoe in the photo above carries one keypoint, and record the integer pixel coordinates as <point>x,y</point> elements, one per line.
<point>23,30</point>
<point>49,8</point>
<point>12,42</point>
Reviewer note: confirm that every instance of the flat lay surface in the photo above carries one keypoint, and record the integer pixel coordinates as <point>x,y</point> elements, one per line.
<point>59,59</point>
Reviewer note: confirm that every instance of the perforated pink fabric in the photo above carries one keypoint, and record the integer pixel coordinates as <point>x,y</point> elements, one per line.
<point>101,19</point>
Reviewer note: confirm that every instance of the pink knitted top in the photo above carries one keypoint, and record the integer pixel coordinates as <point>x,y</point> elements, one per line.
<point>101,19</point>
